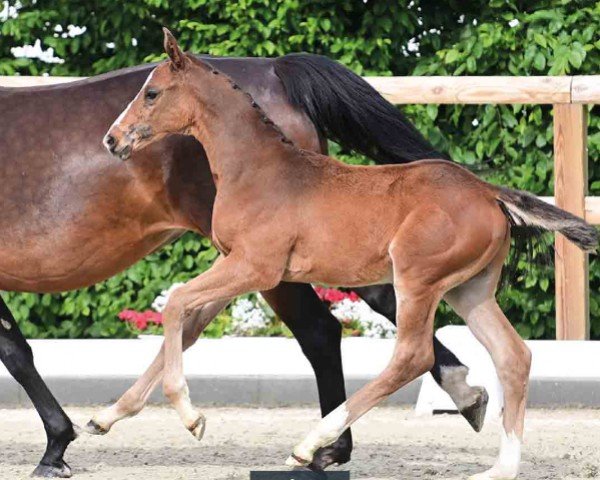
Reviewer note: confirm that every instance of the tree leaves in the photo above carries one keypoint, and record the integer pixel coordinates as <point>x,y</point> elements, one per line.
<point>512,143</point>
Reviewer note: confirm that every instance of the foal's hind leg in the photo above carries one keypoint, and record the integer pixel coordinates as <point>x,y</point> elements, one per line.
<point>448,371</point>
<point>134,399</point>
<point>474,301</point>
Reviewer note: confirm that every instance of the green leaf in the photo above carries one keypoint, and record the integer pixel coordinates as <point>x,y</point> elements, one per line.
<point>451,56</point>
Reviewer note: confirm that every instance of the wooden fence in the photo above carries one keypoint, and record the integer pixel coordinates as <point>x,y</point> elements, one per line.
<point>569,96</point>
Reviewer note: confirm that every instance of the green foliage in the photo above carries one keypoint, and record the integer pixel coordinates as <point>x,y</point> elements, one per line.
<point>476,37</point>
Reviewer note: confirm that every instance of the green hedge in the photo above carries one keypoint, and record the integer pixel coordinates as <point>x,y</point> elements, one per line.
<point>496,37</point>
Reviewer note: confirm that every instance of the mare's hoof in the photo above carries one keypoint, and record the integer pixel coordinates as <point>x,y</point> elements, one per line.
<point>198,427</point>
<point>52,471</point>
<point>475,413</point>
<point>331,455</point>
<point>77,431</point>
<point>94,429</point>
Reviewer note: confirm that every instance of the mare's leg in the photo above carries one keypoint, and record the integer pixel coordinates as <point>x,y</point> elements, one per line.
<point>16,355</point>
<point>319,334</point>
<point>474,301</point>
<point>232,276</point>
<point>448,371</point>
<point>413,356</point>
<point>134,399</point>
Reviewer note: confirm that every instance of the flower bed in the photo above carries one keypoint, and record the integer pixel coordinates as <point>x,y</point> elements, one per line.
<point>251,316</point>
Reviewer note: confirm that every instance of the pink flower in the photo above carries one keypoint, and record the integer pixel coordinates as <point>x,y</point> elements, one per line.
<point>333,295</point>
<point>141,319</point>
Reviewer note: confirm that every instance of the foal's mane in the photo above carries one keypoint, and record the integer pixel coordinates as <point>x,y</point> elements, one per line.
<point>263,117</point>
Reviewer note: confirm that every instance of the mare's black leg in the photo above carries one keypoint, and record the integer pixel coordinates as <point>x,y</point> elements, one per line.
<point>448,371</point>
<point>16,355</point>
<point>319,334</point>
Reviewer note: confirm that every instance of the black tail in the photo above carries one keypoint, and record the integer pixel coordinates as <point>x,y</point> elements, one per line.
<point>347,110</point>
<point>525,210</point>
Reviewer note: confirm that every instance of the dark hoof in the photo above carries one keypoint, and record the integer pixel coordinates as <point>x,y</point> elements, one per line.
<point>336,454</point>
<point>475,413</point>
<point>94,429</point>
<point>52,471</point>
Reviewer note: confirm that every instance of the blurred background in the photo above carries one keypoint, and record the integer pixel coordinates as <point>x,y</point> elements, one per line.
<point>512,143</point>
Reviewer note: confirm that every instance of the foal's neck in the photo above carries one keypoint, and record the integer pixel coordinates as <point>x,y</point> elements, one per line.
<point>242,144</point>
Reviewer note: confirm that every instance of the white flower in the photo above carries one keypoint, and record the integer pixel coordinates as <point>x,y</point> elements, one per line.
<point>375,325</point>
<point>160,302</point>
<point>248,316</point>
<point>513,23</point>
<point>74,31</point>
<point>35,51</point>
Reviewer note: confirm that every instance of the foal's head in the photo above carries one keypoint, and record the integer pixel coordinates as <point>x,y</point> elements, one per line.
<point>163,106</point>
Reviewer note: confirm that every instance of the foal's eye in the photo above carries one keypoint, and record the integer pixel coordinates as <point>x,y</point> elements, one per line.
<point>151,94</point>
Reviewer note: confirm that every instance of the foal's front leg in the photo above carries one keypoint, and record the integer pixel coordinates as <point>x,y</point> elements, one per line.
<point>228,278</point>
<point>134,399</point>
<point>319,334</point>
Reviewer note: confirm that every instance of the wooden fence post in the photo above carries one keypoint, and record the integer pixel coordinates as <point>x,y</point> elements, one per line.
<point>570,186</point>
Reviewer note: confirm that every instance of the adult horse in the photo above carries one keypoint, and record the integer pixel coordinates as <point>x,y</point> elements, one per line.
<point>73,216</point>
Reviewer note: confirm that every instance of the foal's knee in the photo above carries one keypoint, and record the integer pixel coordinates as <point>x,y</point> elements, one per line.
<point>410,362</point>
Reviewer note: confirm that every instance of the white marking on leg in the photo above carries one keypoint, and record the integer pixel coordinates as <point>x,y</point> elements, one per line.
<point>6,324</point>
<point>507,464</point>
<point>193,420</point>
<point>106,418</point>
<point>327,431</point>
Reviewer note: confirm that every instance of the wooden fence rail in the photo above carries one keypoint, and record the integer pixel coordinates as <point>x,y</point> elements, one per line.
<point>569,96</point>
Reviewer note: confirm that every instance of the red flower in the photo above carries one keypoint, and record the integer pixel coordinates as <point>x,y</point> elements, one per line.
<point>141,319</point>
<point>333,295</point>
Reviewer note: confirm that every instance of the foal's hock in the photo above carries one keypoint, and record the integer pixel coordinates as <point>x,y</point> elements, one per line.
<point>431,228</point>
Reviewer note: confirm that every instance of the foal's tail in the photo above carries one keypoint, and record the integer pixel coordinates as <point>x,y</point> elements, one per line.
<point>524,209</point>
<point>346,109</point>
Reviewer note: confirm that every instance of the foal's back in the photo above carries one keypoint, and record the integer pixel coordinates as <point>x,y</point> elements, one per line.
<point>361,209</point>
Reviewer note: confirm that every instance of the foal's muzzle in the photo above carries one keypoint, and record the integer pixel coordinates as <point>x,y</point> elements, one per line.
<point>121,144</point>
<point>121,149</point>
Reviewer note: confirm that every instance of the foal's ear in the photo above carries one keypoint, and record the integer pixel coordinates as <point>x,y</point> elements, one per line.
<point>178,58</point>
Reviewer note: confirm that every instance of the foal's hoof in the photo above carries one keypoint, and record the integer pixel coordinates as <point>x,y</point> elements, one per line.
<point>94,429</point>
<point>198,427</point>
<point>475,413</point>
<point>52,471</point>
<point>494,474</point>
<point>296,462</point>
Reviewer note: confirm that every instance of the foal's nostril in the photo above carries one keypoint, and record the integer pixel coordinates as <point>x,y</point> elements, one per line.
<point>110,142</point>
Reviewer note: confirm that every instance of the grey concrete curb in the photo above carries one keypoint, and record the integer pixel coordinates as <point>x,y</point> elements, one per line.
<point>271,391</point>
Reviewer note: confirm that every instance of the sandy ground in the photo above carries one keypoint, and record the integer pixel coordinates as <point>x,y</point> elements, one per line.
<point>390,443</point>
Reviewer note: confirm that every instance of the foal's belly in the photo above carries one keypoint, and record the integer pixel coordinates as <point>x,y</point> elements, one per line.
<point>338,266</point>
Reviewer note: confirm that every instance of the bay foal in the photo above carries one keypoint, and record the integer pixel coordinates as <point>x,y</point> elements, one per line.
<point>431,228</point>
